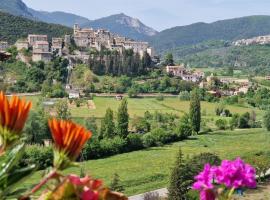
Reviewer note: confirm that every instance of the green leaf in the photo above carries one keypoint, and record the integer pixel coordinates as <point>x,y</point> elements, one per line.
<point>12,159</point>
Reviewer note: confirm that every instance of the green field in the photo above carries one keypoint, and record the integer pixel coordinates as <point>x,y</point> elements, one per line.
<point>138,106</point>
<point>149,169</point>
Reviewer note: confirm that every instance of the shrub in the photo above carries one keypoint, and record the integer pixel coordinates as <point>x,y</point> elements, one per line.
<point>113,146</point>
<point>38,154</point>
<point>261,162</point>
<point>184,96</point>
<point>221,124</point>
<point>184,130</point>
<point>148,140</point>
<point>134,142</point>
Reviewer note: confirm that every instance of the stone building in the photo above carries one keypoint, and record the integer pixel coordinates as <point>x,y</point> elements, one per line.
<point>22,44</point>
<point>34,38</point>
<point>3,45</point>
<point>176,70</point>
<point>57,45</point>
<point>41,46</point>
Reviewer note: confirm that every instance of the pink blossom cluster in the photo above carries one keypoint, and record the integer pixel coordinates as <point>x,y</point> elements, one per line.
<point>233,174</point>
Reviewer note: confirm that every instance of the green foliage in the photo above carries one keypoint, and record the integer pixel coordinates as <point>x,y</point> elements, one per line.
<point>195,110</point>
<point>122,119</point>
<point>37,154</point>
<point>222,124</point>
<point>266,120</point>
<point>116,184</point>
<point>107,129</point>
<point>184,130</point>
<point>25,26</point>
<point>62,110</point>
<point>90,124</point>
<point>169,59</point>
<point>10,174</point>
<point>106,62</point>
<point>134,142</point>
<point>184,96</point>
<point>179,179</point>
<point>36,127</point>
<point>261,162</point>
<point>228,30</point>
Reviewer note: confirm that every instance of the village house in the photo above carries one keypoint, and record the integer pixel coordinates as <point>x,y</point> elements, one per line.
<point>22,44</point>
<point>179,70</point>
<point>3,45</point>
<point>32,39</point>
<point>41,46</point>
<point>57,45</point>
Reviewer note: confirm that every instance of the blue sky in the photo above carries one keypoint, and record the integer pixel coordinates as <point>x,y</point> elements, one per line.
<point>159,14</point>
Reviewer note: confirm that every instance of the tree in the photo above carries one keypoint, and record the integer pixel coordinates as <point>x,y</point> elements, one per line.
<point>169,59</point>
<point>195,110</point>
<point>62,110</point>
<point>184,130</point>
<point>107,125</point>
<point>90,124</point>
<point>179,180</point>
<point>116,184</point>
<point>122,119</point>
<point>266,120</point>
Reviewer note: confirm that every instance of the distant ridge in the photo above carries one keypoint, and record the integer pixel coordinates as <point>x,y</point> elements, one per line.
<point>229,30</point>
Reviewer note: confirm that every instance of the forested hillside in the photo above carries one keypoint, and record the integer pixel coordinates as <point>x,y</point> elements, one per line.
<point>255,58</point>
<point>232,29</point>
<point>13,28</point>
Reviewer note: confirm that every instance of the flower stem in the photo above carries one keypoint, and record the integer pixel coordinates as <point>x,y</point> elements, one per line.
<point>51,175</point>
<point>231,193</point>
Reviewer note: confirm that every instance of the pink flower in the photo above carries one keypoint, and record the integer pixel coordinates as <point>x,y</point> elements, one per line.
<point>76,180</point>
<point>89,194</point>
<point>235,174</point>
<point>204,180</point>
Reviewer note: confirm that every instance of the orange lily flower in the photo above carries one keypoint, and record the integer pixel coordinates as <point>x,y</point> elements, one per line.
<point>69,137</point>
<point>13,113</point>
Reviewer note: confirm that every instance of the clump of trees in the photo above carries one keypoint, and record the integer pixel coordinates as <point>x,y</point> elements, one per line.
<point>116,63</point>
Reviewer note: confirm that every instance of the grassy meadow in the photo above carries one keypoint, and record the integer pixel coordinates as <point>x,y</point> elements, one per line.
<point>149,169</point>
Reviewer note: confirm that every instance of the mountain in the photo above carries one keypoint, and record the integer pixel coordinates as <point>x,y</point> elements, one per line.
<point>13,28</point>
<point>63,18</point>
<point>15,7</point>
<point>229,30</point>
<point>120,24</point>
<point>123,25</point>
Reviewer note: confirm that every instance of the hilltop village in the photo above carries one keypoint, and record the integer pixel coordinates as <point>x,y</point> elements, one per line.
<point>38,47</point>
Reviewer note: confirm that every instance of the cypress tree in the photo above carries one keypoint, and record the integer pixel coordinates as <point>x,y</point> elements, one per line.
<point>195,110</point>
<point>107,129</point>
<point>179,180</point>
<point>122,119</point>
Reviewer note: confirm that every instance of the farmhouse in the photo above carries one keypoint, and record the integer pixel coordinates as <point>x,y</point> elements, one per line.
<point>73,94</point>
<point>176,70</point>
